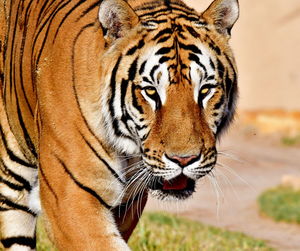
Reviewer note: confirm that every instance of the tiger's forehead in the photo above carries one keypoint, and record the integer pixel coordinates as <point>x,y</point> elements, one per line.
<point>174,63</point>
<point>182,55</point>
<point>158,10</point>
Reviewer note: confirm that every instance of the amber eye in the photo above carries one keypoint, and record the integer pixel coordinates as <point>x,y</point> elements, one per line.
<point>150,91</point>
<point>205,91</point>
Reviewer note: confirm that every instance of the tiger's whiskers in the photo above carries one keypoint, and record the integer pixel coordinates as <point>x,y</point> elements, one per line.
<point>234,173</point>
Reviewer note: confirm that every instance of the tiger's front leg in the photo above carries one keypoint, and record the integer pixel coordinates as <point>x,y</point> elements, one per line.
<point>77,217</point>
<point>127,215</point>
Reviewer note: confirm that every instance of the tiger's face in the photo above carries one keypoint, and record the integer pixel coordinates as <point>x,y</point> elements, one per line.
<point>170,93</point>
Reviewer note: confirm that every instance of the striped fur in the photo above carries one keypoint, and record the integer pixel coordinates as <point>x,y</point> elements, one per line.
<point>87,86</point>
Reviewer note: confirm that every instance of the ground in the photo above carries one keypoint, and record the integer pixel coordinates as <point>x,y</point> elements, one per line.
<point>251,163</point>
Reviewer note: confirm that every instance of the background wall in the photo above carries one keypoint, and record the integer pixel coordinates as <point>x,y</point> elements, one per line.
<point>266,42</point>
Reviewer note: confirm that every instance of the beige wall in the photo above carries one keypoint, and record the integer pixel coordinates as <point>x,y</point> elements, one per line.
<point>266,41</point>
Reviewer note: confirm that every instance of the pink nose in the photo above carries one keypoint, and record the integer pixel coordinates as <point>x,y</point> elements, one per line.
<point>183,160</point>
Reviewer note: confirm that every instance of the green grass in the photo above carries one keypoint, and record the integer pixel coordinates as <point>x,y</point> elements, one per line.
<point>281,203</point>
<point>43,243</point>
<point>291,141</point>
<point>163,232</point>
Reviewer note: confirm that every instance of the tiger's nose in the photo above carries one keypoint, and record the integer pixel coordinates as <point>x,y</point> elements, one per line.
<point>183,160</point>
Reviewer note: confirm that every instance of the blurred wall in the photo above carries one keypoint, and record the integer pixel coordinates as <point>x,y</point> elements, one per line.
<point>266,42</point>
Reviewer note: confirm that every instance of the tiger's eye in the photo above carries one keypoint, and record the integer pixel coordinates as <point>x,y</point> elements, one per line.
<point>204,91</point>
<point>150,91</point>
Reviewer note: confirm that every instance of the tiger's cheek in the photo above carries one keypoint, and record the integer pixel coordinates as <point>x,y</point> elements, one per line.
<point>143,104</point>
<point>214,109</point>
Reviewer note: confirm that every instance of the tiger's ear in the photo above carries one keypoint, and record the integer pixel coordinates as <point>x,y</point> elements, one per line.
<point>116,18</point>
<point>222,14</point>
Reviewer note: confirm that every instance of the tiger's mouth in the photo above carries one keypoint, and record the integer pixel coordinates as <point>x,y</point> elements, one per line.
<point>181,187</point>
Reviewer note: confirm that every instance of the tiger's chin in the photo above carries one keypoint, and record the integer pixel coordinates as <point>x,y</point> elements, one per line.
<point>179,188</point>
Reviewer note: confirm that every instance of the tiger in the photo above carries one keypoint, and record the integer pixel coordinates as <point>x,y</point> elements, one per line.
<point>104,102</point>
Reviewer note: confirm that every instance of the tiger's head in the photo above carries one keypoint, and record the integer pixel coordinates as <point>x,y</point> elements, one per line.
<point>170,87</point>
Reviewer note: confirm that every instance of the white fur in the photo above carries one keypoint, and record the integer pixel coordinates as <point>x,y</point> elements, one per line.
<point>197,79</point>
<point>34,202</point>
<point>161,87</point>
<point>233,14</point>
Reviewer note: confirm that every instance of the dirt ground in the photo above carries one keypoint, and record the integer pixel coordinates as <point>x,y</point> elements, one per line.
<point>249,164</point>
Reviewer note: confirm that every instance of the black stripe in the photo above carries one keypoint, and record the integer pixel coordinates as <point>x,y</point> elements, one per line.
<point>155,14</point>
<point>25,183</point>
<point>15,206</point>
<point>207,165</point>
<point>132,70</point>
<point>167,4</point>
<point>10,153</point>
<point>221,69</point>
<point>132,50</point>
<point>185,9</point>
<point>153,71</point>
<point>28,140</point>
<point>165,59</point>
<point>22,56</point>
<point>145,79</point>
<point>196,59</point>
<point>74,81</point>
<point>142,68</point>
<point>212,64</point>
<point>2,209</point>
<point>153,158</point>
<point>124,86</point>
<point>228,83</point>
<point>1,76</point>
<point>11,185</point>
<point>83,187</point>
<point>11,56</point>
<point>147,134</point>
<point>134,99</point>
<point>163,32</point>
<point>209,154</point>
<point>149,22</point>
<point>234,79</point>
<point>125,116</point>
<point>186,12</point>
<point>211,77</point>
<point>188,17</point>
<point>113,87</point>
<point>41,26</point>
<point>213,46</point>
<point>48,184</point>
<point>154,166</point>
<point>45,36</point>
<point>66,16</point>
<point>139,128</point>
<point>163,39</point>
<point>192,31</point>
<point>90,8</point>
<point>164,50</point>
<point>113,172</point>
<point>42,10</point>
<point>19,240</point>
<point>183,37</point>
<point>115,122</point>
<point>220,103</point>
<point>190,47</point>
<point>231,99</point>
